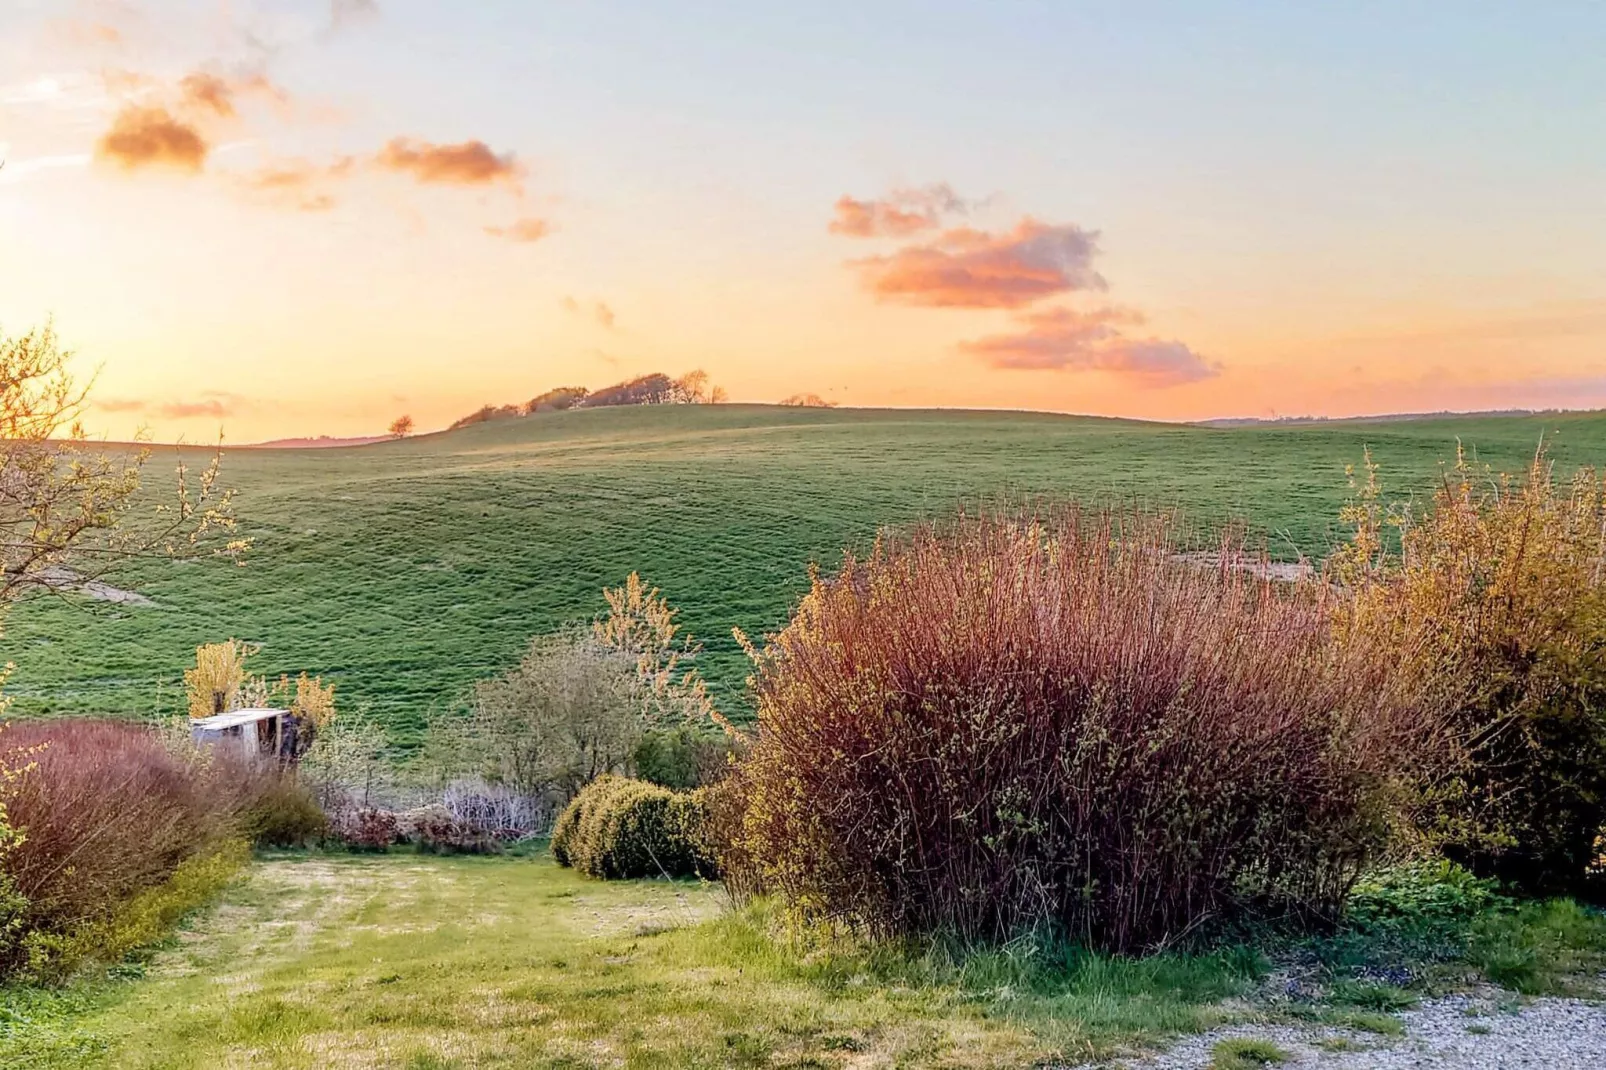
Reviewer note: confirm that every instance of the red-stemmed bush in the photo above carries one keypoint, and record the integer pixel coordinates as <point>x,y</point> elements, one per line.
<point>1006,722</point>
<point>106,810</point>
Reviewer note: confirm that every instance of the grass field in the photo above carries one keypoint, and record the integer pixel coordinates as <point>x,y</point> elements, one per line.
<point>406,570</point>
<point>426,963</point>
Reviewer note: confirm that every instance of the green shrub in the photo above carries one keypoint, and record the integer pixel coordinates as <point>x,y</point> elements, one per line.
<point>680,759</point>
<point>284,813</point>
<point>1427,900</point>
<point>618,829</point>
<point>566,829</point>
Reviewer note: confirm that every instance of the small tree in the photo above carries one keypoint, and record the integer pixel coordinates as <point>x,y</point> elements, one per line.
<point>219,678</point>
<point>64,500</point>
<point>641,626</point>
<point>313,704</point>
<point>401,426</point>
<point>571,710</point>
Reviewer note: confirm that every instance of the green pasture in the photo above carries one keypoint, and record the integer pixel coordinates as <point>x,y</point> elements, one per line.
<point>406,570</point>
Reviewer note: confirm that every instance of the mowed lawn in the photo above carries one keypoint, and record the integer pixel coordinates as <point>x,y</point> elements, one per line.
<point>419,962</point>
<point>406,570</point>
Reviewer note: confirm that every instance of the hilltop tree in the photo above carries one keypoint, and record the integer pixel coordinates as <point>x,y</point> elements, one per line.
<point>401,426</point>
<point>64,500</point>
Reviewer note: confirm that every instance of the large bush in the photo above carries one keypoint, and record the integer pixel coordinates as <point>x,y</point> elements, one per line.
<point>1006,723</point>
<point>106,812</point>
<point>619,828</point>
<point>1500,588</point>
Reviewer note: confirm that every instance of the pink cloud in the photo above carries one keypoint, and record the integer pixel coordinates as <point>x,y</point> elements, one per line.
<point>899,214</point>
<point>1064,339</point>
<point>969,268</point>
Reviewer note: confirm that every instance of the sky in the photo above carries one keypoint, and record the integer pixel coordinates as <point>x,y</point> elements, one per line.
<point>298,217</point>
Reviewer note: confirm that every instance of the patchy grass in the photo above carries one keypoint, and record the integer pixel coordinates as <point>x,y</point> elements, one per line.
<point>413,961</point>
<point>405,570</point>
<point>1246,1053</point>
<point>410,961</point>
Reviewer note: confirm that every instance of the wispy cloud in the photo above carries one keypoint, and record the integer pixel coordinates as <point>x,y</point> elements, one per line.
<point>218,94</point>
<point>142,137</point>
<point>467,163</point>
<point>1064,339</point>
<point>600,311</point>
<point>343,13</point>
<point>529,229</point>
<point>122,405</point>
<point>899,214</point>
<point>969,268</point>
<point>216,408</point>
<point>213,404</point>
<point>298,183</point>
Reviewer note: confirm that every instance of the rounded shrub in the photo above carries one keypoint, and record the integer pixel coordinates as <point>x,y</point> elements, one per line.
<point>1008,723</point>
<point>282,812</point>
<point>618,828</point>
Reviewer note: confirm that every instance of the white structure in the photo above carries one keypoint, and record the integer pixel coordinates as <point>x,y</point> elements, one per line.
<point>255,732</point>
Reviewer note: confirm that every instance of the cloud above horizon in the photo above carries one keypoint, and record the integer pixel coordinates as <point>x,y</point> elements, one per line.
<point>1014,270</point>
<point>142,137</point>
<point>214,93</point>
<point>467,163</point>
<point>899,214</point>
<point>528,229</point>
<point>600,311</point>
<point>1065,339</point>
<point>298,183</point>
<point>343,13</point>
<point>969,268</point>
<point>215,404</point>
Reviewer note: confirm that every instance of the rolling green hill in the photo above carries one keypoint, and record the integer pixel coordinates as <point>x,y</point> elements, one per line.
<point>405,570</point>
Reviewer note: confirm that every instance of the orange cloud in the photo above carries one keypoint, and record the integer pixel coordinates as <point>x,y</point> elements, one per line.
<point>898,215</point>
<point>968,268</point>
<point>529,229</point>
<point>299,183</point>
<point>469,163</point>
<point>152,137</point>
<point>206,92</point>
<point>1063,339</point>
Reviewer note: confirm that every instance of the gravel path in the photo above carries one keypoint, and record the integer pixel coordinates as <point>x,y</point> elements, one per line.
<point>1454,1033</point>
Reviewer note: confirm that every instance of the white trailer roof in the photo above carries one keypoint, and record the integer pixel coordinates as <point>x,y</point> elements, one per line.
<point>234,718</point>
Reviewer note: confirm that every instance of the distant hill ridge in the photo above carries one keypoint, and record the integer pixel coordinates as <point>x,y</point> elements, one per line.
<point>1442,414</point>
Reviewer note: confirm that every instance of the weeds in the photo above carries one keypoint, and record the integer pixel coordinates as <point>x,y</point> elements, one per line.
<point>1246,1053</point>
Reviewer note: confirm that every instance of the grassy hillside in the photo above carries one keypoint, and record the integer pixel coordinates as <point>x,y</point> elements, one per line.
<point>406,570</point>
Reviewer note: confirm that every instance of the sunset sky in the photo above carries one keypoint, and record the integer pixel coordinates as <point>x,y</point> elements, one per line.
<point>291,217</point>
